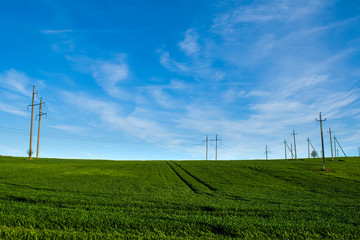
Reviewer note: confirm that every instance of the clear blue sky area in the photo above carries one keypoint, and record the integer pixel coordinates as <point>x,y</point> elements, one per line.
<point>151,79</point>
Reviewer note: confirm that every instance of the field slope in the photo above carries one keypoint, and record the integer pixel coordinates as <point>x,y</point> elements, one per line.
<point>82,199</point>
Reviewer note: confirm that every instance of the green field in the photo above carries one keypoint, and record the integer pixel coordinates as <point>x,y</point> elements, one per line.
<point>88,199</point>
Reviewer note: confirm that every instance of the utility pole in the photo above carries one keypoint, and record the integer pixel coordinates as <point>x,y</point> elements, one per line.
<point>332,156</point>
<point>38,140</point>
<point>340,147</point>
<point>322,139</point>
<point>31,122</point>
<point>359,151</point>
<point>216,140</point>
<point>285,148</point>
<point>308,143</point>
<point>293,133</point>
<point>266,151</point>
<point>335,145</point>
<point>206,142</point>
<point>292,154</point>
<point>290,150</point>
<point>312,147</point>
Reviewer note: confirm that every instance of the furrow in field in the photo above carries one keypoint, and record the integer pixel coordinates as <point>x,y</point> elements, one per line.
<point>181,178</point>
<point>197,179</point>
<point>190,181</point>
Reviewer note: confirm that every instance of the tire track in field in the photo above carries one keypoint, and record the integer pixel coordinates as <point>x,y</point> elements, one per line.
<point>197,179</point>
<point>182,179</point>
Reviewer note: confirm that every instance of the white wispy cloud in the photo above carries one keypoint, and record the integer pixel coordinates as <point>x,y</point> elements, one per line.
<point>139,123</point>
<point>262,12</point>
<point>12,109</point>
<point>68,128</point>
<point>198,68</point>
<point>108,74</point>
<point>15,81</point>
<point>59,31</point>
<point>190,45</point>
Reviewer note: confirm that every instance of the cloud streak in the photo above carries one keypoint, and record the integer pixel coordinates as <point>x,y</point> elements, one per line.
<point>15,81</point>
<point>108,74</point>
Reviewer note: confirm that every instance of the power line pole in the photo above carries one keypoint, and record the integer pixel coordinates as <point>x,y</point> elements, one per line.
<point>290,150</point>
<point>285,148</point>
<point>340,147</point>
<point>266,151</point>
<point>308,143</point>
<point>322,139</point>
<point>31,122</point>
<point>293,133</point>
<point>38,140</point>
<point>359,151</point>
<point>206,141</point>
<point>292,154</point>
<point>216,140</point>
<point>335,145</point>
<point>313,148</point>
<point>332,156</point>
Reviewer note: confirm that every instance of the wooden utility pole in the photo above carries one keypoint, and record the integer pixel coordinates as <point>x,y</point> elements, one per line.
<point>332,156</point>
<point>322,139</point>
<point>285,148</point>
<point>308,141</point>
<point>38,140</point>
<point>31,122</point>
<point>293,133</point>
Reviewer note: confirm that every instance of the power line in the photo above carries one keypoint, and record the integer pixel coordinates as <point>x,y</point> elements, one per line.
<point>89,138</point>
<point>235,153</point>
<point>338,101</point>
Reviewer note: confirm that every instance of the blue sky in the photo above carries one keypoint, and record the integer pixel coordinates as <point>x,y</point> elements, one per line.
<point>150,79</point>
